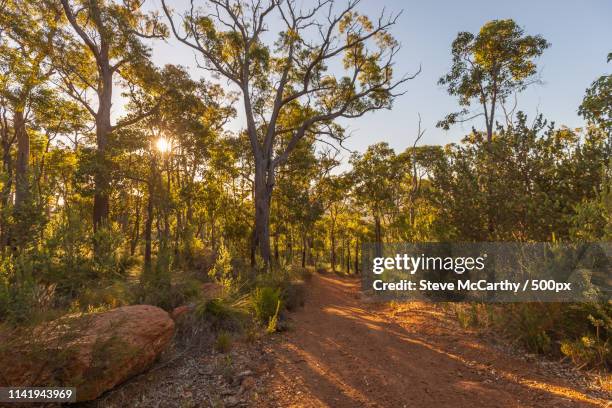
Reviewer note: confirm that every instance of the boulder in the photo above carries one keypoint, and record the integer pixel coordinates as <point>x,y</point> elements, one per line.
<point>93,352</point>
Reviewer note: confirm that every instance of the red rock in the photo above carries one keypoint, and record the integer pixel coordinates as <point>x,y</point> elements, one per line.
<point>180,311</point>
<point>93,353</point>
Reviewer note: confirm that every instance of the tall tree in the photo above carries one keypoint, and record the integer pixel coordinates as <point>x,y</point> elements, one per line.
<point>597,104</point>
<point>29,32</point>
<point>292,76</point>
<point>102,45</point>
<point>488,68</point>
<point>376,177</point>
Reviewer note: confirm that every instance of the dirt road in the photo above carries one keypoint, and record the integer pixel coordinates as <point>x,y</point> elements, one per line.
<point>344,352</point>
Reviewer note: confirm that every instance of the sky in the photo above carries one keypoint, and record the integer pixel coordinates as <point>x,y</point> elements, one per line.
<point>580,33</point>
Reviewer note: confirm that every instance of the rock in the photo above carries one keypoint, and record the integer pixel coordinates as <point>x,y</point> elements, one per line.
<point>247,384</point>
<point>93,353</point>
<point>181,311</point>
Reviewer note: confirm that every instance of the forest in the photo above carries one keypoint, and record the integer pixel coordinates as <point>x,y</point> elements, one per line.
<point>125,183</point>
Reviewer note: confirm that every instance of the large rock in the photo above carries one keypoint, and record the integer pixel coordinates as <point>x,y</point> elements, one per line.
<point>93,353</point>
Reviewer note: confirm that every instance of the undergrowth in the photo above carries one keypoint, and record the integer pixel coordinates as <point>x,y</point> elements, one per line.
<point>579,332</point>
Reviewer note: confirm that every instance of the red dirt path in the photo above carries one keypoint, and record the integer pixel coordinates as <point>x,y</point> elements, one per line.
<point>344,352</point>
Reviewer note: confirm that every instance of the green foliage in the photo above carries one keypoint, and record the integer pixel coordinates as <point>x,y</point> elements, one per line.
<point>167,295</point>
<point>223,342</point>
<point>597,104</point>
<point>534,193</point>
<point>489,67</point>
<point>108,243</point>
<point>582,332</point>
<point>265,301</point>
<point>272,326</point>
<point>222,272</point>
<point>223,313</point>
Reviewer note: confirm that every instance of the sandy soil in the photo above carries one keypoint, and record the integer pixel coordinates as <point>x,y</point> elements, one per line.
<point>343,351</point>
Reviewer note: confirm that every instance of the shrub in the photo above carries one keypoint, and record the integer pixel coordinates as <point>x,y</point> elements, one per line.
<point>586,351</point>
<point>108,260</point>
<point>273,322</point>
<point>265,301</point>
<point>223,313</point>
<point>293,295</point>
<point>580,331</point>
<point>114,295</point>
<point>162,293</point>
<point>223,343</point>
<point>221,272</point>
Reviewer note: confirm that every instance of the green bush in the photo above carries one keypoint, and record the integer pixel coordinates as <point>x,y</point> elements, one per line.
<point>273,322</point>
<point>222,272</point>
<point>265,301</point>
<point>223,313</point>
<point>168,295</point>
<point>580,331</point>
<point>223,342</point>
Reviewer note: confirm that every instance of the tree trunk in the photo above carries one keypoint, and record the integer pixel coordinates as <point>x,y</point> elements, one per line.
<point>149,222</point>
<point>103,131</point>
<point>348,257</point>
<point>7,167</point>
<point>136,236</point>
<point>356,256</point>
<point>333,248</point>
<point>148,231</point>
<point>213,232</point>
<point>378,235</point>
<point>304,243</point>
<point>253,247</point>
<point>22,188</point>
<point>310,261</point>
<point>263,195</point>
<point>289,255</point>
<point>276,237</point>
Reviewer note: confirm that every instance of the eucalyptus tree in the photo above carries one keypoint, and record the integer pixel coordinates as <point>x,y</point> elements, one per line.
<point>27,34</point>
<point>171,152</point>
<point>376,179</point>
<point>489,67</point>
<point>597,104</point>
<point>334,196</point>
<point>292,76</point>
<point>102,43</point>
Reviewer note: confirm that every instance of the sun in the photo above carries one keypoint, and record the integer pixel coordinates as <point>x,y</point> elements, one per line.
<point>163,145</point>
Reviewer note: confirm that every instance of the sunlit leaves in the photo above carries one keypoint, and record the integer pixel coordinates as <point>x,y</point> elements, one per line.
<point>597,104</point>
<point>489,67</point>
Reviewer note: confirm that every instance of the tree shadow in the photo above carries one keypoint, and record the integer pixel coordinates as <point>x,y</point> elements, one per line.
<point>341,354</point>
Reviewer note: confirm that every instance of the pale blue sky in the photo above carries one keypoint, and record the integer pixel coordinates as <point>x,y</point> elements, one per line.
<point>580,33</point>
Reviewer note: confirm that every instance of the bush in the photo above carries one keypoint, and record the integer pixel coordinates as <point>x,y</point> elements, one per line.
<point>22,298</point>
<point>114,295</point>
<point>273,322</point>
<point>223,313</point>
<point>221,272</point>
<point>265,301</point>
<point>223,343</point>
<point>587,351</point>
<point>293,295</point>
<point>169,295</point>
<point>581,331</point>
